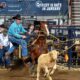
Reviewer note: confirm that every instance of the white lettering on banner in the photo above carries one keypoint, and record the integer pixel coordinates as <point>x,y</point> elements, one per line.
<point>12,6</point>
<point>48,6</point>
<point>15,10</point>
<point>51,8</point>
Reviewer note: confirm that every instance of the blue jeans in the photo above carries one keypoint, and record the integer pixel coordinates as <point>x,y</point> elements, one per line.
<point>2,54</point>
<point>28,38</point>
<point>21,42</point>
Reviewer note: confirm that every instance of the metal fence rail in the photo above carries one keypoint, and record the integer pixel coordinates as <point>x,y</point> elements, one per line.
<point>68,34</point>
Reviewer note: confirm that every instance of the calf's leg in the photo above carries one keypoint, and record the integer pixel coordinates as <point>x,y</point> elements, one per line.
<point>38,72</point>
<point>53,69</point>
<point>47,73</point>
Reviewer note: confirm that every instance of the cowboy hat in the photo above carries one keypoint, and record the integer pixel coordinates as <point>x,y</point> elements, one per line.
<point>18,16</point>
<point>3,28</point>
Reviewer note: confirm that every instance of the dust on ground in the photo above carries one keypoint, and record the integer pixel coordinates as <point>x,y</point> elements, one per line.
<point>23,74</point>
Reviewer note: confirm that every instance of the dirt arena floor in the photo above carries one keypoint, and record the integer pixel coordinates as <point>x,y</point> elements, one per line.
<point>22,74</point>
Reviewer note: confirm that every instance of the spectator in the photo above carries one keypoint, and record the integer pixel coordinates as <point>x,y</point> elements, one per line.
<point>5,46</point>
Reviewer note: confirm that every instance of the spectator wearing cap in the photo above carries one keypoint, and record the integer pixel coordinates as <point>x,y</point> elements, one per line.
<point>16,36</point>
<point>5,46</point>
<point>1,28</point>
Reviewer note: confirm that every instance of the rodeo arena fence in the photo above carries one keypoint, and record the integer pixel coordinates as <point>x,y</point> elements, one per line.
<point>65,38</point>
<point>68,43</point>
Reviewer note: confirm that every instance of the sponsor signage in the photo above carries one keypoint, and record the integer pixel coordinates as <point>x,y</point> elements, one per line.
<point>34,7</point>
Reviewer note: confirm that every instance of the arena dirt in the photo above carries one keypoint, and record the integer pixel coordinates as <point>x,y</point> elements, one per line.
<point>23,74</point>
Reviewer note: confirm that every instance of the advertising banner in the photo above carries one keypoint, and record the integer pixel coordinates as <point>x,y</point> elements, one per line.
<point>34,7</point>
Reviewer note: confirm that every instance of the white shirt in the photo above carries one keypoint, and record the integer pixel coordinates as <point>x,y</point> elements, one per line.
<point>4,41</point>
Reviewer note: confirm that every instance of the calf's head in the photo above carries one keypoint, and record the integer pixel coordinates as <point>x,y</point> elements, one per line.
<point>54,54</point>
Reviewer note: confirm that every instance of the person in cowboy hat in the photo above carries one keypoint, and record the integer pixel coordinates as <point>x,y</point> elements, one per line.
<point>16,35</point>
<point>5,46</point>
